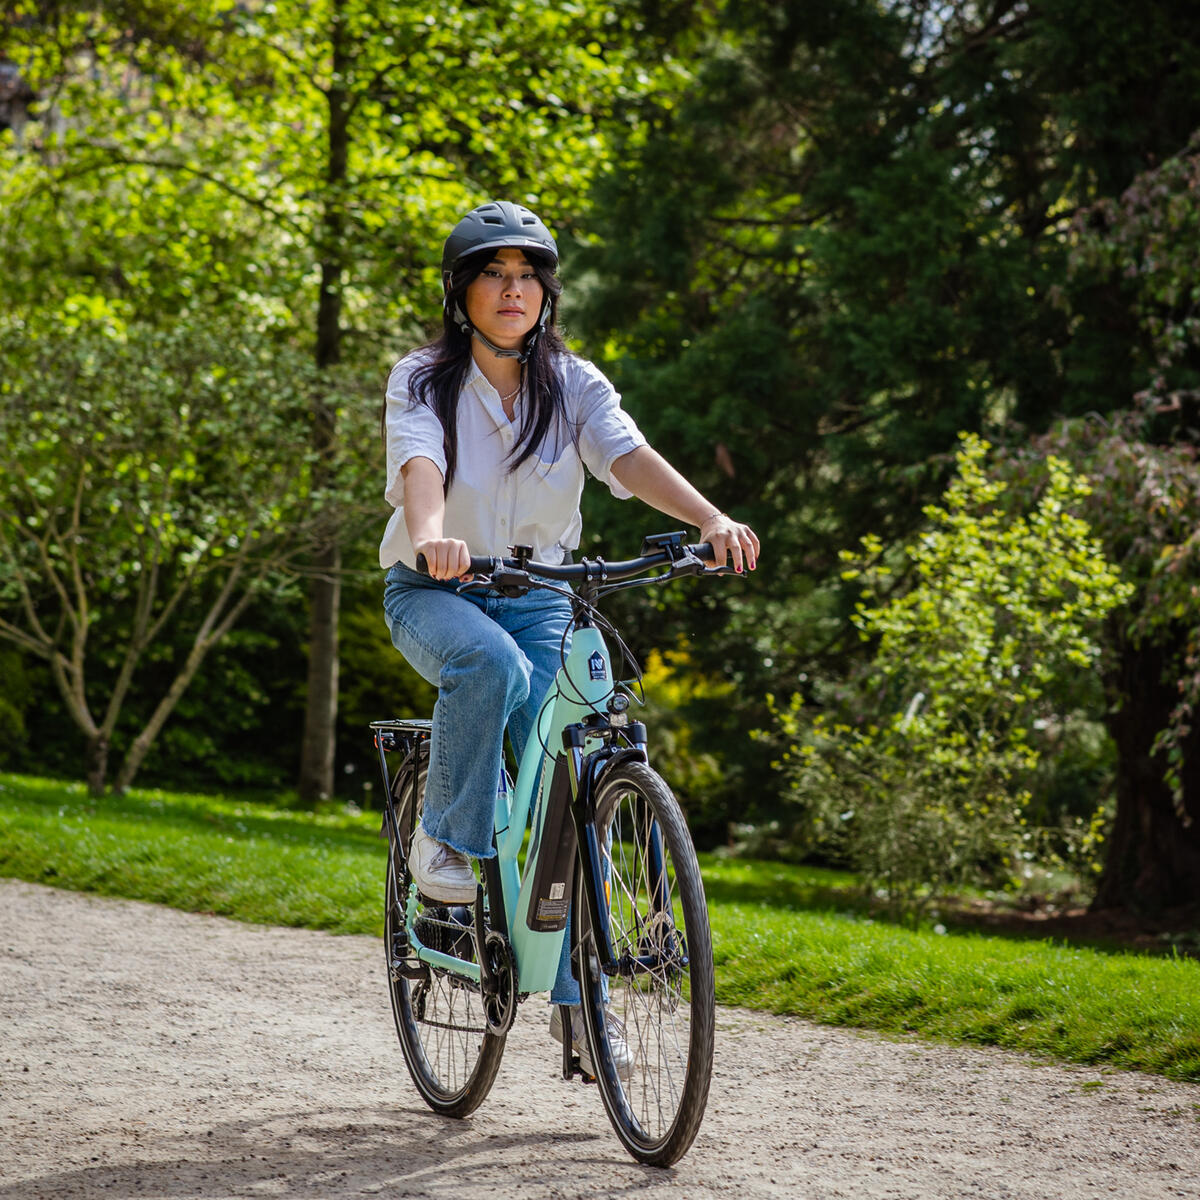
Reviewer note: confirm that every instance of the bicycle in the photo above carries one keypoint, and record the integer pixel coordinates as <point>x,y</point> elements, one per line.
<point>609,846</point>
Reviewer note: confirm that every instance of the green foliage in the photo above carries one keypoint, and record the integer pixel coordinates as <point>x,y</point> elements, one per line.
<point>678,689</point>
<point>921,769</point>
<point>1146,512</point>
<point>811,242</point>
<point>1149,513</point>
<point>282,176</point>
<point>150,480</point>
<point>226,154</point>
<point>848,241</point>
<point>14,700</point>
<point>1148,237</point>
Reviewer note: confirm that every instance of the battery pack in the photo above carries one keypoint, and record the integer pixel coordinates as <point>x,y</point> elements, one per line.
<point>550,894</point>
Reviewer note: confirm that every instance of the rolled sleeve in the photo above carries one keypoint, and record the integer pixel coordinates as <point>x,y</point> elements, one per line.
<point>606,430</point>
<point>412,431</point>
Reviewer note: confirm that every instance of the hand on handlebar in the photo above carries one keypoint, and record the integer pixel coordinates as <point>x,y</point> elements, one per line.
<point>445,558</point>
<point>730,538</point>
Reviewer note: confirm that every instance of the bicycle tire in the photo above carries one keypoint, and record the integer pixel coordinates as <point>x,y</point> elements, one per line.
<point>451,1055</point>
<point>667,1008</point>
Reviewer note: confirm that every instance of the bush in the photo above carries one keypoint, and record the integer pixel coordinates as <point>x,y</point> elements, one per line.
<point>919,770</point>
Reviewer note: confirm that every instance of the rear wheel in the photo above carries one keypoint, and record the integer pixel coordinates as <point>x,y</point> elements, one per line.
<point>440,1018</point>
<point>662,995</point>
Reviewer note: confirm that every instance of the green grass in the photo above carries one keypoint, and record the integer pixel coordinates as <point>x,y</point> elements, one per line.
<point>202,853</point>
<point>787,939</point>
<point>805,956</point>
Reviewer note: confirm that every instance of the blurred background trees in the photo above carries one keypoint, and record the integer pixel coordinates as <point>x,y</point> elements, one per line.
<point>811,244</point>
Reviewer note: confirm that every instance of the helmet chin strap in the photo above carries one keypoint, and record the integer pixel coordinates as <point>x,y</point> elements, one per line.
<point>522,356</point>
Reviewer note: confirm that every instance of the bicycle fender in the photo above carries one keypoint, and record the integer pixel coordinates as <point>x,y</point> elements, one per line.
<point>610,761</point>
<point>402,783</point>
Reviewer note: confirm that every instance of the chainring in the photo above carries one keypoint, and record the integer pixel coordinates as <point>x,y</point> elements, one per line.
<point>500,1005</point>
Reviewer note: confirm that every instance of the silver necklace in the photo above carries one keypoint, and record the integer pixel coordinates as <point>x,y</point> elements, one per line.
<point>506,399</point>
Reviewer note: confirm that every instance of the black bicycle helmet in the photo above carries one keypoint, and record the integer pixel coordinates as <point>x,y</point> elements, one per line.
<point>493,226</point>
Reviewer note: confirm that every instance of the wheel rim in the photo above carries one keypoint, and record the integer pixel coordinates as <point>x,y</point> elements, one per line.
<point>652,1000</point>
<point>449,1026</point>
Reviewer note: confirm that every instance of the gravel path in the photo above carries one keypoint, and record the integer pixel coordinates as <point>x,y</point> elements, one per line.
<point>149,1052</point>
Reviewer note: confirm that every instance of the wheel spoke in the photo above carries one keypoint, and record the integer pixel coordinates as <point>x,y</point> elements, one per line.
<point>659,930</point>
<point>440,1019</point>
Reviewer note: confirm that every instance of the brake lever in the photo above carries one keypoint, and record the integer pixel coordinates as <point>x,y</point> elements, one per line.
<point>686,564</point>
<point>508,581</point>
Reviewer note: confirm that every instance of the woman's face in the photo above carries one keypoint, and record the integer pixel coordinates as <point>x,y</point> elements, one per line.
<point>504,300</point>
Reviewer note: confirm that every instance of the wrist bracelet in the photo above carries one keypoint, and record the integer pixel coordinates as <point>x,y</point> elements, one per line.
<point>710,516</point>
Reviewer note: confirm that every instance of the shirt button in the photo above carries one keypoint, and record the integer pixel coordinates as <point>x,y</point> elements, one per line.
<point>503,522</point>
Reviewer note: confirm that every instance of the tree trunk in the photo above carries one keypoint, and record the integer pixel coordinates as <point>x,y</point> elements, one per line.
<point>324,594</point>
<point>1153,860</point>
<point>97,763</point>
<point>320,718</point>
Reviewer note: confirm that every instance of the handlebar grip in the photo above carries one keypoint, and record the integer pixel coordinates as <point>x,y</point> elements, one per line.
<point>481,564</point>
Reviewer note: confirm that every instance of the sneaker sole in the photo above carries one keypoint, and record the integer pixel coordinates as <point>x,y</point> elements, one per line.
<point>446,895</point>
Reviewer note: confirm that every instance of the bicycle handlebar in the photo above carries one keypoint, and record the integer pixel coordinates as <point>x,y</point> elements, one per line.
<point>594,570</point>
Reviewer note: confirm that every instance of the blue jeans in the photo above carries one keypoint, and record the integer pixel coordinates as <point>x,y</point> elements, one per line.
<point>492,658</point>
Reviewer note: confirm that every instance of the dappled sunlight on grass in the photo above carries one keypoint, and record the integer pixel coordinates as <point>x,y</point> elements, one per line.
<point>780,885</point>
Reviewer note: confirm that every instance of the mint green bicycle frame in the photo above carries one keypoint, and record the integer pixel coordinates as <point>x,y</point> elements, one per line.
<point>581,688</point>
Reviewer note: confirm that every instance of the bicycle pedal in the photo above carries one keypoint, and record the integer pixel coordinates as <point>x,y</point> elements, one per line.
<point>577,1069</point>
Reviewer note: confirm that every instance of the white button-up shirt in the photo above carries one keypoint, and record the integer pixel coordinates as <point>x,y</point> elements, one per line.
<point>488,506</point>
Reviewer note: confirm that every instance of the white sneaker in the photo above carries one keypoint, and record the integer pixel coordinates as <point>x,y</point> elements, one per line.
<point>439,872</point>
<point>614,1028</point>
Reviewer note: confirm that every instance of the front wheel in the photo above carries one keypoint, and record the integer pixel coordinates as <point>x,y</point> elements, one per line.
<point>661,1000</point>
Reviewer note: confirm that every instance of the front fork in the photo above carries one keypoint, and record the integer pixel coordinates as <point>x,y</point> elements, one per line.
<point>585,772</point>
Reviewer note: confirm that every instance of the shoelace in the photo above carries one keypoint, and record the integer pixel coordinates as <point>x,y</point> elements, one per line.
<point>445,856</point>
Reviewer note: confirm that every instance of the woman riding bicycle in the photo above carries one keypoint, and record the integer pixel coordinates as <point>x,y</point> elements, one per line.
<point>489,429</point>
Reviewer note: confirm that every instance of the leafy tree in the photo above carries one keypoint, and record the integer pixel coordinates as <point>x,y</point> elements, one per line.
<point>304,162</point>
<point>850,241</point>
<point>149,481</point>
<point>920,768</point>
<point>1146,509</point>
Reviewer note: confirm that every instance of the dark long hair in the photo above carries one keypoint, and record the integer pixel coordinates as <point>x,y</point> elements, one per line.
<point>438,381</point>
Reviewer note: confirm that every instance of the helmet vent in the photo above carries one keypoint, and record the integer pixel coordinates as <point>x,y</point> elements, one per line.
<point>497,224</point>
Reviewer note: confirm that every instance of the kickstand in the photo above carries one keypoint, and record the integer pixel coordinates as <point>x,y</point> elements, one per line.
<point>570,1060</point>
